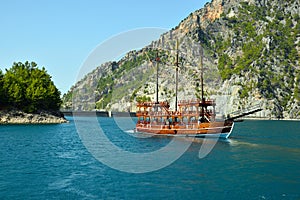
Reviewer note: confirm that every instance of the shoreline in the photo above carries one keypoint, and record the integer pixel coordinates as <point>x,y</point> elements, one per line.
<point>268,119</point>
<point>99,113</point>
<point>133,114</point>
<point>20,117</point>
<point>47,117</point>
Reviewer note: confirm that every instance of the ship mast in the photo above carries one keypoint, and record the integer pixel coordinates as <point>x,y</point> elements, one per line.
<point>176,81</point>
<point>201,67</point>
<point>157,69</point>
<point>202,87</point>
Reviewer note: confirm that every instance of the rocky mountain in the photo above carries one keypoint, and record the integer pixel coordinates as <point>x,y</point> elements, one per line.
<point>250,51</point>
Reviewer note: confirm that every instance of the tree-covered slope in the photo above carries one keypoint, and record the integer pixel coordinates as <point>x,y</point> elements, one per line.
<point>261,45</point>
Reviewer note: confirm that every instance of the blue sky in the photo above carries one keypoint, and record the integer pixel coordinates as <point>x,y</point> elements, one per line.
<point>60,34</point>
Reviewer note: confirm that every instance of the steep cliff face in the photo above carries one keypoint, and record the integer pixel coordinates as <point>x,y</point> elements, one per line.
<point>257,50</point>
<point>252,44</point>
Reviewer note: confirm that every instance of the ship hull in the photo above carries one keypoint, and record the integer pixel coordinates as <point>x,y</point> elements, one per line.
<point>215,130</point>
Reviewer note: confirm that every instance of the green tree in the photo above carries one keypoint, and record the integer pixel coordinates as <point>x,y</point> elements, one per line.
<point>30,89</point>
<point>14,83</point>
<point>225,65</point>
<point>3,100</point>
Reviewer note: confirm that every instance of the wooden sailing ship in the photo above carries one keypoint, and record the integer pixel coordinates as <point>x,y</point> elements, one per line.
<point>195,117</point>
<point>157,118</point>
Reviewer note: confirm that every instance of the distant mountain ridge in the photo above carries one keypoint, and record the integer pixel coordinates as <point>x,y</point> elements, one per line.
<point>253,44</point>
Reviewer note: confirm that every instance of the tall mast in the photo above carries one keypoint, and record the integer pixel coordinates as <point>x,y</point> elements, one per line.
<point>176,81</point>
<point>201,67</point>
<point>202,87</point>
<point>157,69</point>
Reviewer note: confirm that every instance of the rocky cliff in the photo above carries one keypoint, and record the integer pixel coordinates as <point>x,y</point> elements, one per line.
<point>250,52</point>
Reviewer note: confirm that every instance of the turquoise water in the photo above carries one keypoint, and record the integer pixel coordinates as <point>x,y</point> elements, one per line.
<point>259,161</point>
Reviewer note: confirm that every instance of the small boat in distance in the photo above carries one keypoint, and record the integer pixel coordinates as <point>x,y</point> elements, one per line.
<point>195,117</point>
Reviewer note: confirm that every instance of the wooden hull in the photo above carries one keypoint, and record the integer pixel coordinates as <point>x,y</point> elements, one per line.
<point>212,129</point>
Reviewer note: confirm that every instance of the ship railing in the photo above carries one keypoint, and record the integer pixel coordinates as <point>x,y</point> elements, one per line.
<point>195,102</point>
<point>171,126</point>
<point>208,112</point>
<point>139,113</point>
<point>190,113</point>
<point>158,113</point>
<point>151,104</point>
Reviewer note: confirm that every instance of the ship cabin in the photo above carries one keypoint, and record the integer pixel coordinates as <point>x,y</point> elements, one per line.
<point>189,114</point>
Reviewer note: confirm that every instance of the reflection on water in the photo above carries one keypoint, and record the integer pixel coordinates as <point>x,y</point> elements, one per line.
<point>236,142</point>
